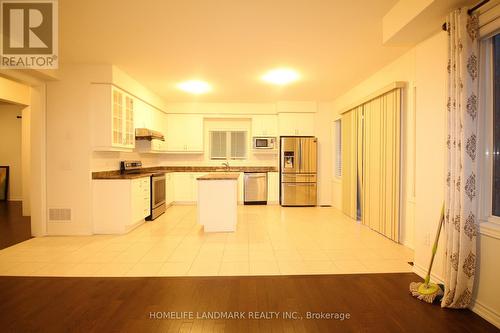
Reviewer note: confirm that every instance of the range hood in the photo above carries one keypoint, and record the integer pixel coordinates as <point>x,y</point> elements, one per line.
<point>148,134</point>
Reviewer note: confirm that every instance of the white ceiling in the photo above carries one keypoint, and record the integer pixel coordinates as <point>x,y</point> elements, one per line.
<point>230,43</point>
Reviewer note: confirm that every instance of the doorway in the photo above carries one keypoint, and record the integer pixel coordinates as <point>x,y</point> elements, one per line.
<point>15,224</point>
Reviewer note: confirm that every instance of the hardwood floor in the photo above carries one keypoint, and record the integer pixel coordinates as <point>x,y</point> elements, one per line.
<point>375,303</point>
<point>14,227</point>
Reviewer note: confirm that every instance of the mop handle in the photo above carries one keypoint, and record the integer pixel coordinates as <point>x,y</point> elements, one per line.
<point>434,247</point>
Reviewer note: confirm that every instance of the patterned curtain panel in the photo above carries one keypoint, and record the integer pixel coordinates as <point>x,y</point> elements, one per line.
<point>461,191</point>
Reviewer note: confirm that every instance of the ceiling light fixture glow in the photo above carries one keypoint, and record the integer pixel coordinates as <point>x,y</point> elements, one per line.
<point>195,87</point>
<point>281,76</point>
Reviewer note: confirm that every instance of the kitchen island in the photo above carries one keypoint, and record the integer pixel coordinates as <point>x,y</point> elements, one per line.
<point>217,201</point>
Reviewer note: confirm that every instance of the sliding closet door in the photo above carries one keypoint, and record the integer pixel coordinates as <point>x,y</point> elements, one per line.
<point>349,163</point>
<point>381,164</point>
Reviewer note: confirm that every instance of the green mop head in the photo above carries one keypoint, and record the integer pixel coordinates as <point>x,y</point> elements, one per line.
<point>426,292</point>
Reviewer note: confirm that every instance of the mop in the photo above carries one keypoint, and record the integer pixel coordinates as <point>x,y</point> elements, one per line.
<point>428,291</point>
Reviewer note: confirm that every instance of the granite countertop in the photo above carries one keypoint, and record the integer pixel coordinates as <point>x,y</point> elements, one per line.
<point>147,172</point>
<point>219,176</point>
<point>118,175</point>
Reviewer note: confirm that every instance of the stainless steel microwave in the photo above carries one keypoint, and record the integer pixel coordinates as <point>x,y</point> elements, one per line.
<point>264,143</point>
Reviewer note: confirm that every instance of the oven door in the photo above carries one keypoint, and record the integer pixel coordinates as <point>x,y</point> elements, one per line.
<point>157,191</point>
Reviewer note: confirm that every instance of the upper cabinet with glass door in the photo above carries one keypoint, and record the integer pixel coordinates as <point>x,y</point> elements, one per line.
<point>112,118</point>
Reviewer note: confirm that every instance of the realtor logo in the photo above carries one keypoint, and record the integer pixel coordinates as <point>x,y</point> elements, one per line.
<point>29,34</point>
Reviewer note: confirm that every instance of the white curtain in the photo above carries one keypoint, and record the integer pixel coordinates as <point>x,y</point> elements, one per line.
<point>462,179</point>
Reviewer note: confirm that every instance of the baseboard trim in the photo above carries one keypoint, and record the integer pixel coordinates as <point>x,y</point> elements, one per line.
<point>485,312</point>
<point>422,272</point>
<point>407,244</point>
<point>193,203</point>
<point>184,203</point>
<point>477,307</point>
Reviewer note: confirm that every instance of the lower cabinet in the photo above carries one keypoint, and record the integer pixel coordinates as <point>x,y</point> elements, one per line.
<point>119,205</point>
<point>241,188</point>
<point>185,187</point>
<point>273,187</point>
<point>169,189</point>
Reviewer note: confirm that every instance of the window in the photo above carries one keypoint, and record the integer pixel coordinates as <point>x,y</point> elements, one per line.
<point>238,145</point>
<point>218,145</point>
<point>226,145</point>
<point>496,128</point>
<point>338,148</point>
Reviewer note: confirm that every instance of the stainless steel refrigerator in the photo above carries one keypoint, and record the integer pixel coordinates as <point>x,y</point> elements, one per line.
<point>298,171</point>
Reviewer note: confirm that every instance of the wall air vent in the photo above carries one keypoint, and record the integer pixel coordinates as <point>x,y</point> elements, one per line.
<point>59,215</point>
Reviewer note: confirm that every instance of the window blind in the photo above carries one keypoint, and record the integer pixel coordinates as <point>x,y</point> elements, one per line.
<point>228,145</point>
<point>238,145</point>
<point>338,148</point>
<point>218,145</point>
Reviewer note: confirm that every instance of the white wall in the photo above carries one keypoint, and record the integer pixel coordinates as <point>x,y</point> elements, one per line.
<point>26,160</point>
<point>324,125</point>
<point>487,292</point>
<point>10,149</point>
<point>107,160</point>
<point>431,61</point>
<point>68,149</point>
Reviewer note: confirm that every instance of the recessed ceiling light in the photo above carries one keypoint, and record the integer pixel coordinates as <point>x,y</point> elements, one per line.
<point>195,87</point>
<point>281,76</point>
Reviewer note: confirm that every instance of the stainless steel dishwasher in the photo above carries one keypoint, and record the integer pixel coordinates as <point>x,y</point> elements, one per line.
<point>255,188</point>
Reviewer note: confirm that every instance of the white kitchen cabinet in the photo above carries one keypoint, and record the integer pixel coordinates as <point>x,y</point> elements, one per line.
<point>154,119</point>
<point>296,124</point>
<point>194,184</point>
<point>273,190</point>
<point>119,205</point>
<point>182,188</point>
<point>169,189</point>
<point>241,187</point>
<point>112,118</point>
<point>141,198</point>
<point>185,187</point>
<point>184,133</point>
<point>142,115</point>
<point>159,123</point>
<point>264,125</point>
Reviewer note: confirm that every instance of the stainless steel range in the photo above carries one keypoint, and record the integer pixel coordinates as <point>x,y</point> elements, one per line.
<point>158,203</point>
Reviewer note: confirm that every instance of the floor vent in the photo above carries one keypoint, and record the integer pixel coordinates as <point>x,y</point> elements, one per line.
<point>60,214</point>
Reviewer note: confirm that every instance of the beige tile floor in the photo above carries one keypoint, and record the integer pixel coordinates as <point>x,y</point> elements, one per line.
<point>270,240</point>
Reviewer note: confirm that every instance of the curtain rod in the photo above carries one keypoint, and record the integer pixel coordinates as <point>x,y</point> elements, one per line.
<point>470,10</point>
